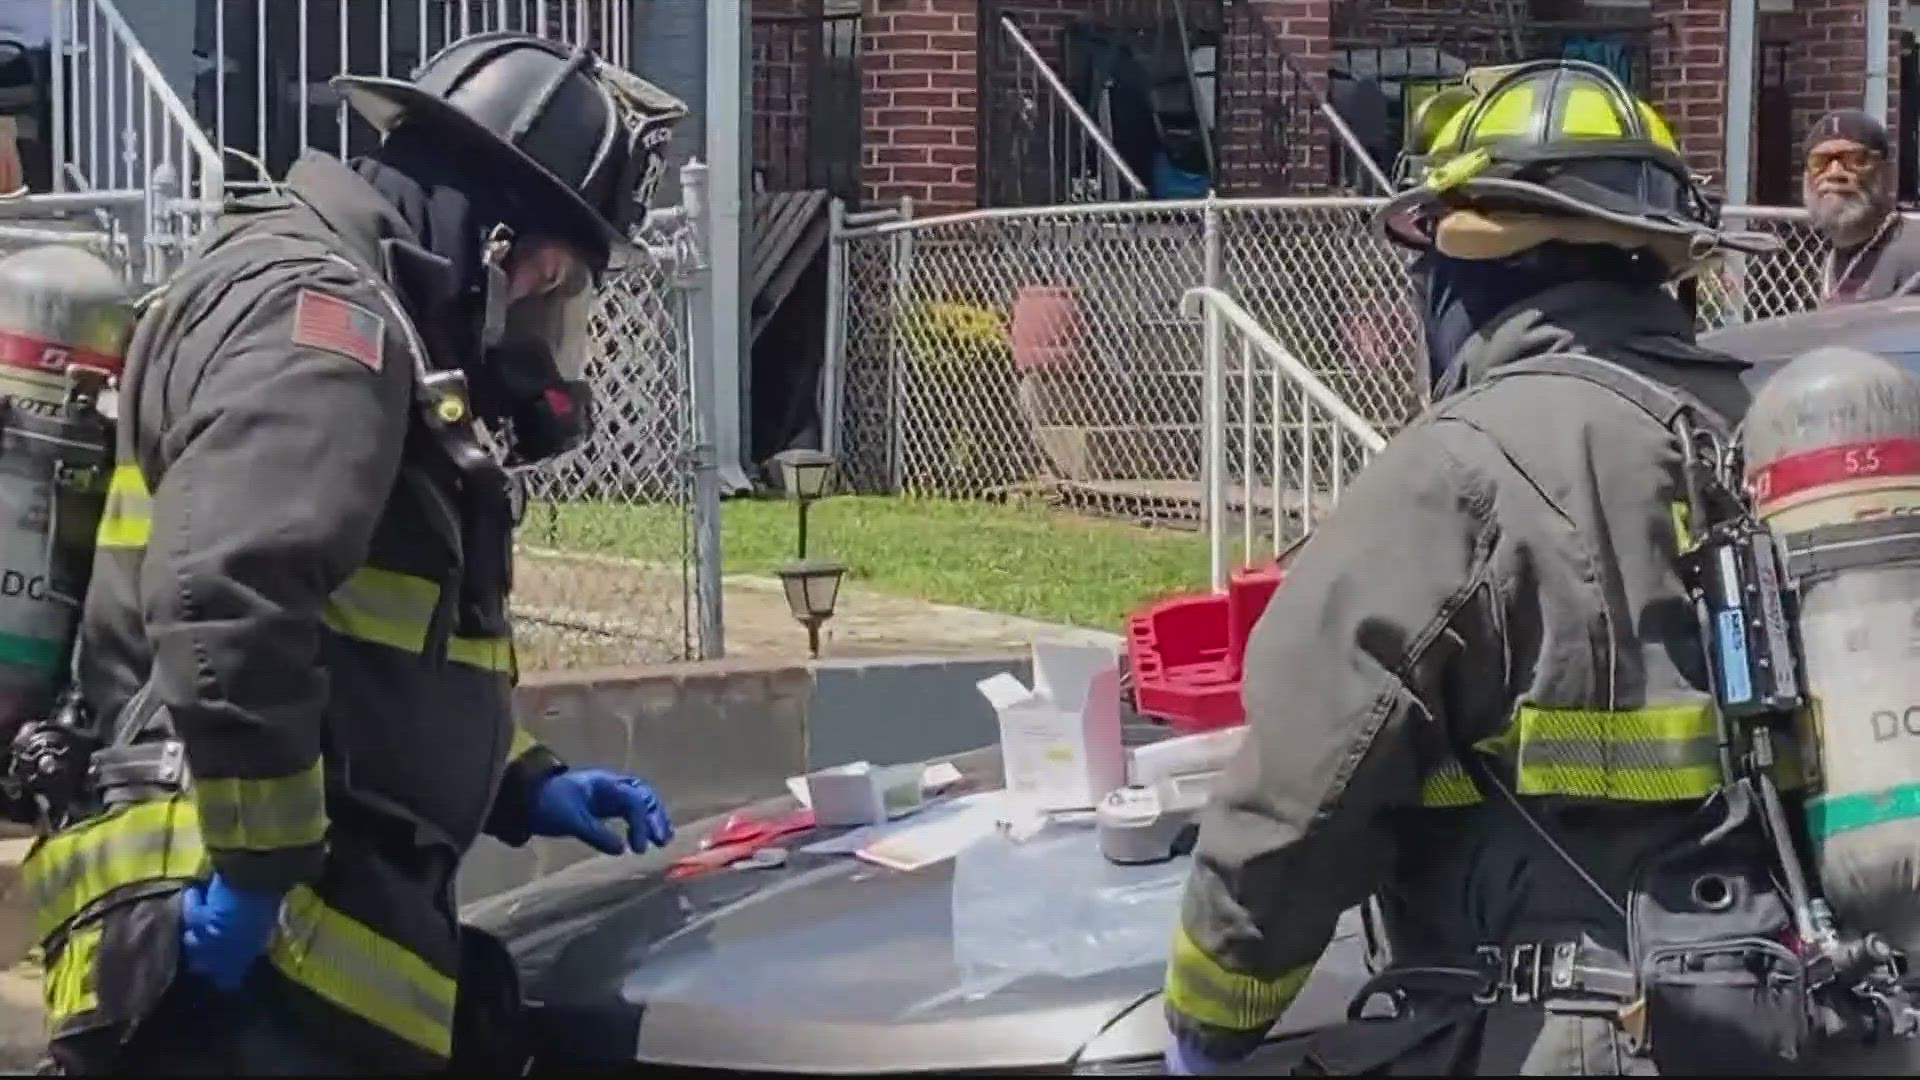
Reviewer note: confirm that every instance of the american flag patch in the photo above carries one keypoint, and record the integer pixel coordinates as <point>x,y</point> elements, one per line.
<point>328,322</point>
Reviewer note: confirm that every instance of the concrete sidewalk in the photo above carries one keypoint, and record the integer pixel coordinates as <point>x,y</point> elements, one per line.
<point>872,624</point>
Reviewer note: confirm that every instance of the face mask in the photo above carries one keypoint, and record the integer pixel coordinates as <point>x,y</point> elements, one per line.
<point>543,414</point>
<point>531,379</point>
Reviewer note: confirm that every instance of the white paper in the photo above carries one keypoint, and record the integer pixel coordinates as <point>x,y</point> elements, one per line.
<point>934,835</point>
<point>1003,691</point>
<point>940,776</point>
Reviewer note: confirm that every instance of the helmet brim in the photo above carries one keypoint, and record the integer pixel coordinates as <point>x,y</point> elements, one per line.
<point>385,102</point>
<point>1399,220</point>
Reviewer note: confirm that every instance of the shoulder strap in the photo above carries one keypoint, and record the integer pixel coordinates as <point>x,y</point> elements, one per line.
<point>1664,403</point>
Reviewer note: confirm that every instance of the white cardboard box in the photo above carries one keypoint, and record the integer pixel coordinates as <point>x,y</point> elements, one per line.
<point>1060,740</point>
<point>861,794</point>
<point>1184,755</point>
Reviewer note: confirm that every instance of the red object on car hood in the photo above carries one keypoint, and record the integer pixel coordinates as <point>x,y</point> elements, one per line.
<point>738,837</point>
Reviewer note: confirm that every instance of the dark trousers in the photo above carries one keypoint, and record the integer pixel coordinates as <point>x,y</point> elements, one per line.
<point>198,1031</point>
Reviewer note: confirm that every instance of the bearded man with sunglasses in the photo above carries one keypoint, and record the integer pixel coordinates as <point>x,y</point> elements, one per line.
<point>296,647</point>
<point>1848,192</point>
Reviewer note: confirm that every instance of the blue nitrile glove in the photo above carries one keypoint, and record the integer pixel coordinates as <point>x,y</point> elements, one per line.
<point>223,931</point>
<point>1184,1059</point>
<point>571,803</point>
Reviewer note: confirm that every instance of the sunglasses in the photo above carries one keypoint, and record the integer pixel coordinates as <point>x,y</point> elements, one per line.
<point>1855,159</point>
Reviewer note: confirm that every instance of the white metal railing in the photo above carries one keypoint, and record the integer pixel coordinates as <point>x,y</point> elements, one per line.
<point>274,59</point>
<point>1312,440</point>
<point>123,138</point>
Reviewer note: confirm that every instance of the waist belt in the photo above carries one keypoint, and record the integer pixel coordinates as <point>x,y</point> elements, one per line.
<point>1540,972</point>
<point>1559,976</point>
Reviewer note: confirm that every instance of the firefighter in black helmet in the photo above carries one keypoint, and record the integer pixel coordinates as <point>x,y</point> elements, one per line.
<point>1481,695</point>
<point>296,642</point>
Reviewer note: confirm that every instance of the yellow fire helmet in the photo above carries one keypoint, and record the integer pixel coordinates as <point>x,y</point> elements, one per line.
<point>1551,148</point>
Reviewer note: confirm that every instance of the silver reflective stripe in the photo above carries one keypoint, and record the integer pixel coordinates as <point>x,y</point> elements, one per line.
<point>263,815</point>
<point>73,870</point>
<point>1628,754</point>
<point>384,607</point>
<point>360,971</point>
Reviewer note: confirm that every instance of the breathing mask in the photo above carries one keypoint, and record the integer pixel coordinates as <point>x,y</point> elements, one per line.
<point>531,382</point>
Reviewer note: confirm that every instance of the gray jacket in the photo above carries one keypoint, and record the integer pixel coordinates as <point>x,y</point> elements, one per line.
<point>1502,576</point>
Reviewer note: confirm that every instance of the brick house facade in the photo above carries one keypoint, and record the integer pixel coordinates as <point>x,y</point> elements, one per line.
<point>923,79</point>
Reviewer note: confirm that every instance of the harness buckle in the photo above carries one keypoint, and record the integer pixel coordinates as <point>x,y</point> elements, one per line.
<point>1561,973</point>
<point>1490,958</point>
<point>1523,973</point>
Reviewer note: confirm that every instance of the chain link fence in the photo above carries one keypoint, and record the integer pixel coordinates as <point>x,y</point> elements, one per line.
<point>1043,353</point>
<point>604,574</point>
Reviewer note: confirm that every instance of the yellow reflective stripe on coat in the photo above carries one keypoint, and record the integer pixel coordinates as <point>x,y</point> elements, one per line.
<point>70,986</point>
<point>385,607</point>
<point>1449,785</point>
<point>522,742</point>
<point>127,519</point>
<point>1661,753</point>
<point>352,966</point>
<point>71,870</point>
<point>490,654</point>
<point>1682,536</point>
<point>1199,988</point>
<point>263,815</point>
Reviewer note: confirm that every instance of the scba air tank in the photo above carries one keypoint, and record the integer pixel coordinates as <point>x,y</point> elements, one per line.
<point>65,319</point>
<point>1832,449</point>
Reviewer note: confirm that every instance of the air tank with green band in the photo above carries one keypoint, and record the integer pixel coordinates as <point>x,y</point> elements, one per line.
<point>1832,457</point>
<point>65,319</point>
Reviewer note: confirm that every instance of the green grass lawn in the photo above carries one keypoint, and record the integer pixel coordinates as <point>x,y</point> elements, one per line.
<point>1025,561</point>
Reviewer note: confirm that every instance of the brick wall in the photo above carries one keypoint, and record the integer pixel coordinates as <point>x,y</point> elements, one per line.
<point>922,74</point>
<point>919,96</point>
<point>1689,79</point>
<point>783,53</point>
<point>1273,139</point>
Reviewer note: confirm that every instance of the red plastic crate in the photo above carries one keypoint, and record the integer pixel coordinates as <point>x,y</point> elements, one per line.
<point>1187,653</point>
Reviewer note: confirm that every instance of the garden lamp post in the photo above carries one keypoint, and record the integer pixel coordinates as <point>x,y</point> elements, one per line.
<point>804,475</point>
<point>813,587</point>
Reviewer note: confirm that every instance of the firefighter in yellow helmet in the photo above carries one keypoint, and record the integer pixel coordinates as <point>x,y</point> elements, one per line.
<point>1481,696</point>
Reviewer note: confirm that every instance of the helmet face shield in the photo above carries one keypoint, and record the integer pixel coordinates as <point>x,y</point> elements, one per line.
<point>557,323</point>
<point>531,383</point>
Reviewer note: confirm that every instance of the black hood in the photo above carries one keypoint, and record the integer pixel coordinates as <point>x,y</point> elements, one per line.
<point>449,200</point>
<point>1642,327</point>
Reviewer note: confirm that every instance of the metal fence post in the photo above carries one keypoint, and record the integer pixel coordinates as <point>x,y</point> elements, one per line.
<point>1213,412</point>
<point>704,452</point>
<point>897,353</point>
<point>833,361</point>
